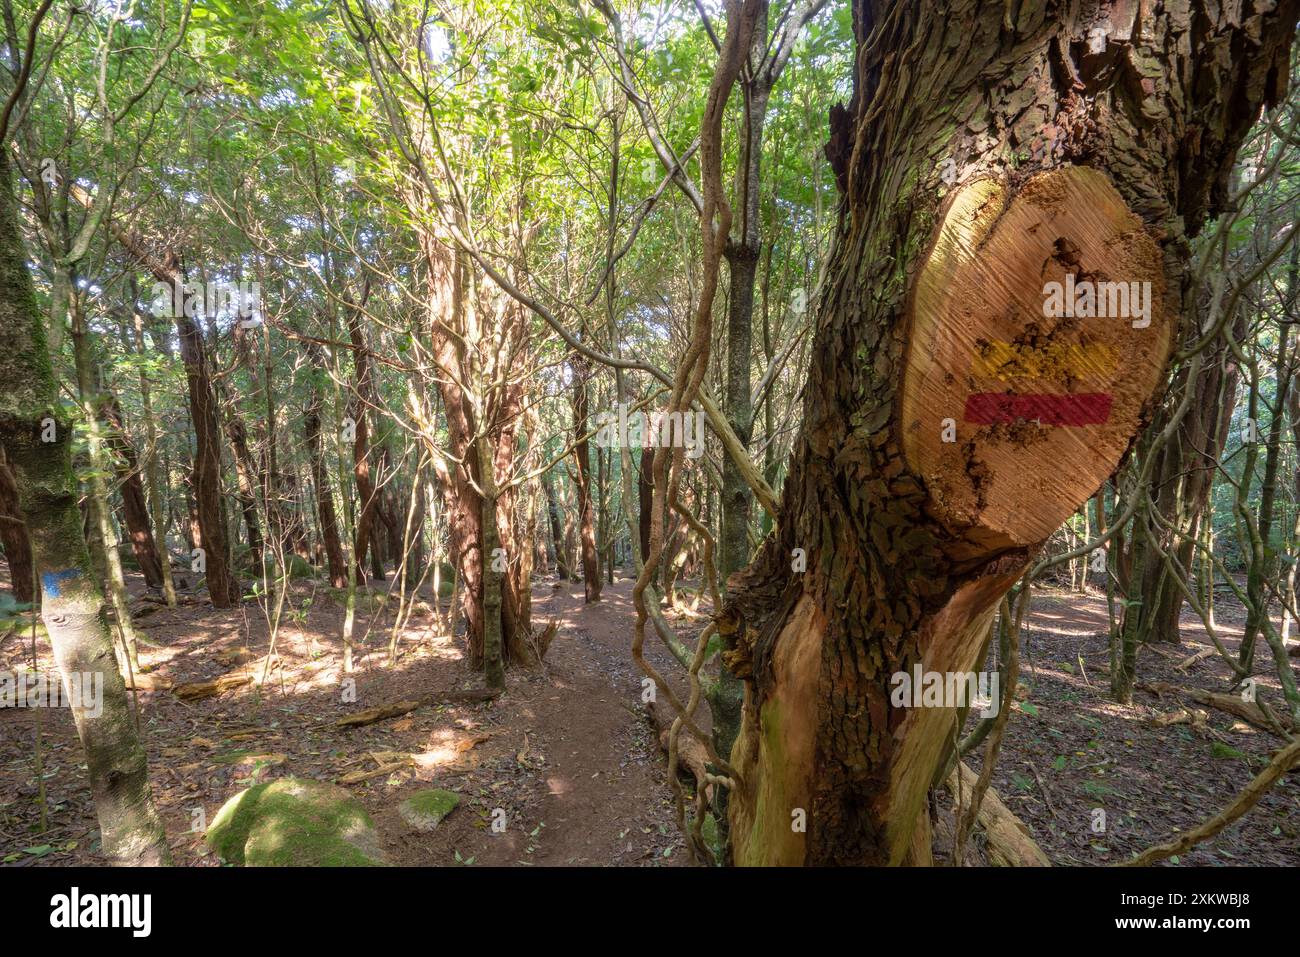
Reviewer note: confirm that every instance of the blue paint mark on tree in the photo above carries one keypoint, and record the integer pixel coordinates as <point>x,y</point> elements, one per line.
<point>51,582</point>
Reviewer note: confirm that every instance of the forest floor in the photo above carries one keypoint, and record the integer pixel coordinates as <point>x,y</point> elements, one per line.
<point>568,759</point>
<point>1070,750</point>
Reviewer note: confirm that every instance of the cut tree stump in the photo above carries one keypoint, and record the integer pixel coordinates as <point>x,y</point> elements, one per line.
<point>1004,404</point>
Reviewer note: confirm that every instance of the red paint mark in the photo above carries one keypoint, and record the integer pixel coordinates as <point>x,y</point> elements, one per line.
<point>993,408</point>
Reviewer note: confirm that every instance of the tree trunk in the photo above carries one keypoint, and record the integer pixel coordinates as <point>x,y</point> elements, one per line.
<point>645,493</point>
<point>37,437</point>
<point>988,150</point>
<point>590,555</point>
<point>103,535</point>
<point>135,509</point>
<point>1261,569</point>
<point>557,529</point>
<point>157,488</point>
<point>493,607</point>
<point>1182,480</point>
<point>223,588</point>
<point>13,538</point>
<point>1290,593</point>
<point>362,399</point>
<point>329,525</point>
<point>246,482</point>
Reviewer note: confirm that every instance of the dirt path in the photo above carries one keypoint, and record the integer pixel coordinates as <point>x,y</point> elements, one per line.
<point>568,764</point>
<point>565,761</point>
<point>591,789</point>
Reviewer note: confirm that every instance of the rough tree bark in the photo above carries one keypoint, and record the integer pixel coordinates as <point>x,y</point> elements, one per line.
<point>13,537</point>
<point>989,149</point>
<point>223,588</point>
<point>359,405</point>
<point>645,491</point>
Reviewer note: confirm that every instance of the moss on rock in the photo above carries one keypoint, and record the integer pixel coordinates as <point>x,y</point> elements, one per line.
<point>295,822</point>
<point>425,810</point>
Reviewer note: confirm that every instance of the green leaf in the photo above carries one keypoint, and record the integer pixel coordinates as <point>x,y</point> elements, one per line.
<point>1224,752</point>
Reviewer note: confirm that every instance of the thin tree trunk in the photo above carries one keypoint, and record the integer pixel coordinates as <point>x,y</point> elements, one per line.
<point>135,508</point>
<point>104,534</point>
<point>358,411</point>
<point>582,477</point>
<point>557,529</point>
<point>329,526</point>
<point>645,491</point>
<point>37,438</point>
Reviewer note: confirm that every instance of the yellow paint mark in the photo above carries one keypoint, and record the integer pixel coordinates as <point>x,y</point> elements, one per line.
<point>1005,361</point>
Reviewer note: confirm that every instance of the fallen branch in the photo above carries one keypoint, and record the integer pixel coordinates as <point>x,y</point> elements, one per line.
<point>357,777</point>
<point>390,761</point>
<point>1193,716</point>
<point>147,682</point>
<point>1193,659</point>
<point>398,708</point>
<point>196,690</point>
<point>1230,704</point>
<point>1247,799</point>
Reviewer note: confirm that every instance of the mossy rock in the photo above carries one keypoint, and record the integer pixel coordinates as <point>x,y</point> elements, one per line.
<point>425,810</point>
<point>295,822</point>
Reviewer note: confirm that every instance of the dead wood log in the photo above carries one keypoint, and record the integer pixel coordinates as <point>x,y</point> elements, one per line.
<point>148,682</point>
<point>1009,843</point>
<point>1194,658</point>
<point>196,690</point>
<point>691,754</point>
<point>398,708</point>
<point>1246,710</point>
